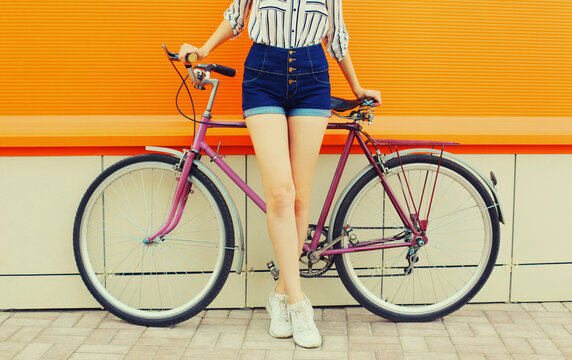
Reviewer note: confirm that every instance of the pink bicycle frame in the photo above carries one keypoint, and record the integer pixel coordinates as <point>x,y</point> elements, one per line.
<point>184,187</point>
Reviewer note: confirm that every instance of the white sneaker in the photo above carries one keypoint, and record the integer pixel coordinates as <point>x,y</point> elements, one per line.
<point>306,333</point>
<point>280,325</point>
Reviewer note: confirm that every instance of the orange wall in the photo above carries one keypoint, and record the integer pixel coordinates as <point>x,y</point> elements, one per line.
<point>428,57</point>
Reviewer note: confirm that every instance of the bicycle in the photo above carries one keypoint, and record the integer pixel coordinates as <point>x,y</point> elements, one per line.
<point>414,236</point>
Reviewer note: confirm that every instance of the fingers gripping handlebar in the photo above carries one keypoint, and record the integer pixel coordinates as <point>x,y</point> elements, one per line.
<point>192,57</point>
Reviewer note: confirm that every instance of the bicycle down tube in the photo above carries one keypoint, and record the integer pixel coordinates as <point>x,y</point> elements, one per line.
<point>183,187</point>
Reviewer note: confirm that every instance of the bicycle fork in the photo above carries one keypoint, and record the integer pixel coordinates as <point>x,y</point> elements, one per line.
<point>180,198</point>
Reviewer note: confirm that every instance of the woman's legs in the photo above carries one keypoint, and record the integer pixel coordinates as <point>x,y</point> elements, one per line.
<point>269,135</point>
<point>305,138</point>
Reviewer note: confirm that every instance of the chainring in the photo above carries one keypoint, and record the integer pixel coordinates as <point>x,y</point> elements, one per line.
<point>310,269</point>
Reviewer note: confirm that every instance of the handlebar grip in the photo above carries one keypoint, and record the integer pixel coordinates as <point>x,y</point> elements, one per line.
<point>192,57</point>
<point>223,70</point>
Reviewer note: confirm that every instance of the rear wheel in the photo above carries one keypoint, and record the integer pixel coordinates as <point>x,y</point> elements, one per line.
<point>426,282</point>
<point>160,282</point>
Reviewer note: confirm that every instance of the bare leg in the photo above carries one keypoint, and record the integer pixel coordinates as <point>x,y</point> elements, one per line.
<point>305,134</point>
<point>269,135</point>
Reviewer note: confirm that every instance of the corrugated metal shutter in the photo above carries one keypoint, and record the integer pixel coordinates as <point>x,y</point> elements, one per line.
<point>428,57</point>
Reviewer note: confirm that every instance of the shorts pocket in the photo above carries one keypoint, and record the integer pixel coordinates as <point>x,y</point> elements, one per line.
<point>250,75</point>
<point>322,77</point>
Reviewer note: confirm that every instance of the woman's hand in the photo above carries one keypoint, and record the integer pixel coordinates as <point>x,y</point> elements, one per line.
<point>187,49</point>
<point>364,93</point>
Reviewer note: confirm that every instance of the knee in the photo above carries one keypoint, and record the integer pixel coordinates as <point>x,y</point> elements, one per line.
<point>301,203</point>
<point>280,197</point>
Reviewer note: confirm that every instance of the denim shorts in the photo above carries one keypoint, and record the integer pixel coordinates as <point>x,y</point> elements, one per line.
<point>286,81</point>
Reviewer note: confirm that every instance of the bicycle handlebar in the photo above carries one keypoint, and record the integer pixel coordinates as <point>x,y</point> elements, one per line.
<point>223,70</point>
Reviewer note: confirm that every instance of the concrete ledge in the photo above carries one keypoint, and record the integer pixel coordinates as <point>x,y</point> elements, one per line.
<point>123,135</point>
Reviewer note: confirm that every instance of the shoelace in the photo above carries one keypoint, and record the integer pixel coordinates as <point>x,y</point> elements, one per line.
<point>303,319</point>
<point>282,309</point>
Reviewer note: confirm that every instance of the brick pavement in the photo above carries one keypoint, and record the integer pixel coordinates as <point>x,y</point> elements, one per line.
<point>526,331</point>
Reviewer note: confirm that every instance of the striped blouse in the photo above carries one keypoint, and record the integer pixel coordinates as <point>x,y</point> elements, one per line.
<point>292,23</point>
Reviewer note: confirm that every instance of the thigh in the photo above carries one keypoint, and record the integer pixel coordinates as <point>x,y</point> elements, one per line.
<point>269,135</point>
<point>305,134</point>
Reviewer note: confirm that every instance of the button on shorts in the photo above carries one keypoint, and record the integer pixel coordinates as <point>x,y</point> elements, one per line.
<point>286,81</point>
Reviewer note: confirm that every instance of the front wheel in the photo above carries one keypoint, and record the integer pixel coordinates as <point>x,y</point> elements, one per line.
<point>427,282</point>
<point>160,282</point>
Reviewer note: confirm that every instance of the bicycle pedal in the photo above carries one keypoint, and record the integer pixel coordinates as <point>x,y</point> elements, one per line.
<point>273,269</point>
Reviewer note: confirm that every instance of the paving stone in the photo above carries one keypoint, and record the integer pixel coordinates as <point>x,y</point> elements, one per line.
<point>67,319</point>
<point>499,317</point>
<point>332,327</point>
<point>240,314</point>
<point>533,307</point>
<point>9,349</point>
<point>435,328</point>
<point>359,328</point>
<point>459,329</point>
<point>562,318</point>
<point>126,337</point>
<point>167,332</point>
<point>230,341</point>
<point>566,351</point>
<point>519,330</point>
<point>14,320</point>
<point>260,314</point>
<point>4,315</point>
<point>440,344</point>
<point>383,355</point>
<point>521,318</point>
<point>141,352</point>
<point>105,349</point>
<point>544,346</point>
<point>430,356</point>
<point>6,331</point>
<point>482,349</point>
<point>91,320</point>
<point>90,356</point>
<point>169,352</point>
<point>204,340</point>
<point>476,340</point>
<point>282,344</point>
<point>252,354</point>
<point>384,328</point>
<point>495,307</point>
<point>471,356</point>
<point>568,305</point>
<point>32,351</point>
<point>316,354</point>
<point>498,356</point>
<point>279,355</point>
<point>163,341</point>
<point>413,344</point>
<point>210,354</point>
<point>537,357</point>
<point>101,336</point>
<point>556,331</point>
<point>554,307</point>
<point>374,339</point>
<point>60,339</point>
<point>361,355</point>
<point>483,329</point>
<point>258,326</point>
<point>335,343</point>
<point>26,334</point>
<point>222,314</point>
<point>59,352</point>
<point>518,346</point>
<point>334,314</point>
<point>67,331</point>
<point>378,346</point>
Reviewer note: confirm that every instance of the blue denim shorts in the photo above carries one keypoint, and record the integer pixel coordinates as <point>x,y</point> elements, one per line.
<point>286,81</point>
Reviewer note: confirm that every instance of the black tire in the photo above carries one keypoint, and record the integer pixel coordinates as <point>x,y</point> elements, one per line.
<point>113,263</point>
<point>379,279</point>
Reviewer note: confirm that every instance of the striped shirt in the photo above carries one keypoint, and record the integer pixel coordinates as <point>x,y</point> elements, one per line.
<point>292,23</point>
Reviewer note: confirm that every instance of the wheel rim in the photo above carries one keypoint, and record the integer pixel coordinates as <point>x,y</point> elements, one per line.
<point>159,280</point>
<point>449,265</point>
